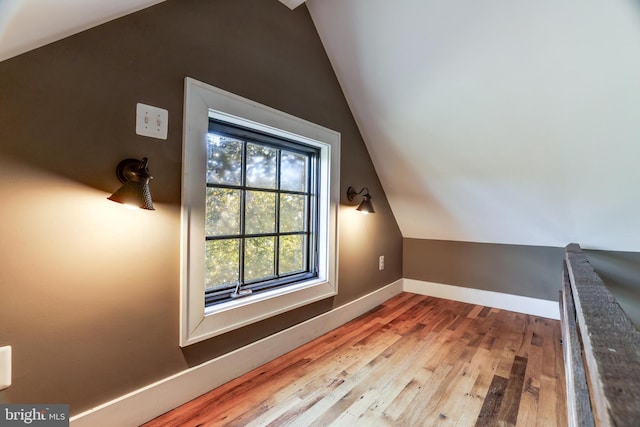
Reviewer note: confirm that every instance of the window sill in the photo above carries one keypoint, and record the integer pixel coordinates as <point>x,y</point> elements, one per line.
<point>225,317</point>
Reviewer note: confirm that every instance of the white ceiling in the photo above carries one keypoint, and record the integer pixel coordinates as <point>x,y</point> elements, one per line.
<point>496,121</point>
<point>28,24</point>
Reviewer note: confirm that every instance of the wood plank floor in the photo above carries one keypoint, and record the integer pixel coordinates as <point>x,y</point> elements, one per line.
<point>413,361</point>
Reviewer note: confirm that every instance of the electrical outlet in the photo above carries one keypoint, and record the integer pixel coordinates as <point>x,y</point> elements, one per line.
<point>381,262</point>
<point>5,367</point>
<point>152,121</point>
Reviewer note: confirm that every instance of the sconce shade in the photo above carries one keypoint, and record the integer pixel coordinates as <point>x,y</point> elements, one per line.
<point>365,206</point>
<point>134,175</point>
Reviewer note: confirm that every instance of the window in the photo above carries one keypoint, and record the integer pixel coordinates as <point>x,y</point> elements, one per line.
<point>259,212</point>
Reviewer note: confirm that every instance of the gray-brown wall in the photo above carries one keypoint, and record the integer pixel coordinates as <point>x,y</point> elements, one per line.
<point>531,271</point>
<point>89,291</point>
<point>620,271</point>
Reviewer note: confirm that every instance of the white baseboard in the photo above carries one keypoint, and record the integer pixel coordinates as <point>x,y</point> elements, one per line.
<point>155,399</point>
<point>527,305</point>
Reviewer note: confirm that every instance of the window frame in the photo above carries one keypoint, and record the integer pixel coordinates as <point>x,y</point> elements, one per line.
<point>203,101</point>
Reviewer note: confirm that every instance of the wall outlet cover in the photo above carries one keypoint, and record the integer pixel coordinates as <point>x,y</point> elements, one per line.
<point>5,367</point>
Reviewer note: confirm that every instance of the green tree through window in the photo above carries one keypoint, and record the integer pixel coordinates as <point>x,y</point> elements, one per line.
<point>261,212</point>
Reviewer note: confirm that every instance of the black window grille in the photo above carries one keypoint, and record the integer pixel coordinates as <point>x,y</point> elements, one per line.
<point>261,215</point>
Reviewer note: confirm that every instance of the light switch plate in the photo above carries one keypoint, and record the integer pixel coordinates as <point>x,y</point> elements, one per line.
<point>151,121</point>
<point>5,367</point>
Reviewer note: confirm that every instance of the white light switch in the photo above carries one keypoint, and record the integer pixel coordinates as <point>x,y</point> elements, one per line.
<point>152,121</point>
<point>5,367</point>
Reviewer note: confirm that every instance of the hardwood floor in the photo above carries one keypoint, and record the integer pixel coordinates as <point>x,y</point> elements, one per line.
<point>413,361</point>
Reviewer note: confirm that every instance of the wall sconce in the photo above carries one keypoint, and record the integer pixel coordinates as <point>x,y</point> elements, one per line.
<point>365,206</point>
<point>134,192</point>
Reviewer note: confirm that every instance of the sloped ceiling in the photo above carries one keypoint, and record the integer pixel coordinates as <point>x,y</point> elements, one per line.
<point>493,121</point>
<point>497,121</point>
<point>29,24</point>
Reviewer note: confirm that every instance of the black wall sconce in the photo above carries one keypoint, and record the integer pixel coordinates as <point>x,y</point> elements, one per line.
<point>134,176</point>
<point>365,206</point>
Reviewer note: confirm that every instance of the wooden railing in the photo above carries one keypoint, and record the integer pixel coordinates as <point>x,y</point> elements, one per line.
<point>601,349</point>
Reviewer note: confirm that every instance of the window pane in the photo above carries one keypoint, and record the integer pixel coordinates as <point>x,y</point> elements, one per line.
<point>261,166</point>
<point>292,254</point>
<point>292,212</point>
<point>258,258</point>
<point>260,214</point>
<point>293,175</point>
<point>222,212</point>
<point>221,263</point>
<point>224,160</point>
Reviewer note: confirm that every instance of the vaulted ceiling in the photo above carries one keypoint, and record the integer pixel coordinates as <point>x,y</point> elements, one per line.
<point>28,24</point>
<point>497,121</point>
<point>493,121</point>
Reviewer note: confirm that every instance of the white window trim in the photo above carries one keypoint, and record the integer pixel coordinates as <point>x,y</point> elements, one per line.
<point>203,101</point>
